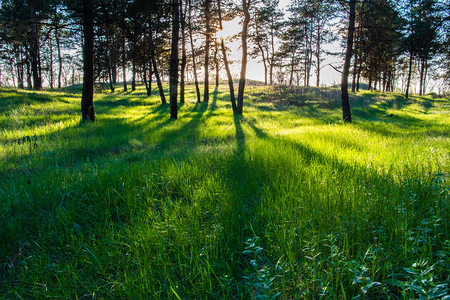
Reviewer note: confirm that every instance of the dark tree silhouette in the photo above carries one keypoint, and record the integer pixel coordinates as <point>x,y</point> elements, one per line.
<point>87,98</point>
<point>240,100</point>
<point>174,59</point>
<point>346,114</point>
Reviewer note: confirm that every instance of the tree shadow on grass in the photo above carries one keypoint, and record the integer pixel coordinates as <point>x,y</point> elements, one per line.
<point>213,105</point>
<point>402,126</point>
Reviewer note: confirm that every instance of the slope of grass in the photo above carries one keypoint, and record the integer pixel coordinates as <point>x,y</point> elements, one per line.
<point>285,202</point>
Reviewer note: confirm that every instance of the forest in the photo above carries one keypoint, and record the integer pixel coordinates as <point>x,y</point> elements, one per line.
<point>194,149</point>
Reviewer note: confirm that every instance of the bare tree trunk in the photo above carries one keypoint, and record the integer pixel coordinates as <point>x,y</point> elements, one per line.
<point>346,114</point>
<point>29,82</point>
<point>34,47</point>
<point>174,59</point>
<point>216,62</point>
<point>155,67</point>
<point>39,62</point>
<point>113,58</point>
<point>58,47</point>
<point>108,62</point>
<point>272,56</point>
<point>207,42</point>
<point>318,44</point>
<point>225,62</point>
<point>194,65</point>
<point>133,72</point>
<point>425,77</point>
<point>258,43</point>
<point>408,82</point>
<point>50,45</point>
<point>19,66</point>
<point>11,66</point>
<point>421,76</point>
<point>291,76</point>
<point>309,55</point>
<point>124,64</point>
<point>183,49</point>
<point>389,80</point>
<point>355,63</point>
<point>87,98</point>
<point>240,100</point>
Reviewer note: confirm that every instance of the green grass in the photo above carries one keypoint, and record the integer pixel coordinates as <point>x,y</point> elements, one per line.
<point>285,202</point>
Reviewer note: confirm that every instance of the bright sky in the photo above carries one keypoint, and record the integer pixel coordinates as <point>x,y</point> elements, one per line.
<point>255,68</point>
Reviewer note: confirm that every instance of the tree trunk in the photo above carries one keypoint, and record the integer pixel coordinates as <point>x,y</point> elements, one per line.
<point>50,45</point>
<point>389,80</point>
<point>318,44</point>
<point>133,72</point>
<point>108,62</point>
<point>240,100</point>
<point>113,58</point>
<point>355,63</point>
<point>87,98</point>
<point>258,43</point>
<point>425,77</point>
<point>183,50</point>
<point>309,56</point>
<point>207,42</point>
<point>29,82</point>
<point>155,67</point>
<point>11,66</point>
<point>216,62</point>
<point>272,56</point>
<point>124,64</point>
<point>34,47</point>
<point>174,59</point>
<point>194,65</point>
<point>225,62</point>
<point>346,114</point>
<point>148,81</point>
<point>291,76</point>
<point>422,72</point>
<point>408,82</point>
<point>58,47</point>
<point>19,66</point>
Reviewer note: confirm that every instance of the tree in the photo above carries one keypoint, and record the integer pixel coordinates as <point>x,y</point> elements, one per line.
<point>191,38</point>
<point>379,41</point>
<point>34,46</point>
<point>346,114</point>
<point>240,99</point>
<point>174,59</point>
<point>87,98</point>
<point>153,59</point>
<point>207,7</point>
<point>183,48</point>
<point>267,21</point>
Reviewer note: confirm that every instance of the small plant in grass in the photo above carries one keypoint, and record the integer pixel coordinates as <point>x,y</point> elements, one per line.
<point>418,281</point>
<point>260,274</point>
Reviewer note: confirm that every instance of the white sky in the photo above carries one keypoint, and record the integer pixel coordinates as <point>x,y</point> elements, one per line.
<point>255,68</point>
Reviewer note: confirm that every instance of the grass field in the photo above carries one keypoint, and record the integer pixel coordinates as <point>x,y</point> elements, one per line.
<point>284,202</point>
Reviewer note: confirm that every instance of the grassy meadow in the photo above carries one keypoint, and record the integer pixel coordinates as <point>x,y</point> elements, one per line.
<point>284,202</point>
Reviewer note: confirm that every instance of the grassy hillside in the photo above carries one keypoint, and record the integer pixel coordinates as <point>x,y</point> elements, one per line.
<point>285,202</point>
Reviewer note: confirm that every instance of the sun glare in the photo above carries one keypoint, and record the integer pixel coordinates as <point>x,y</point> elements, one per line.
<point>230,28</point>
